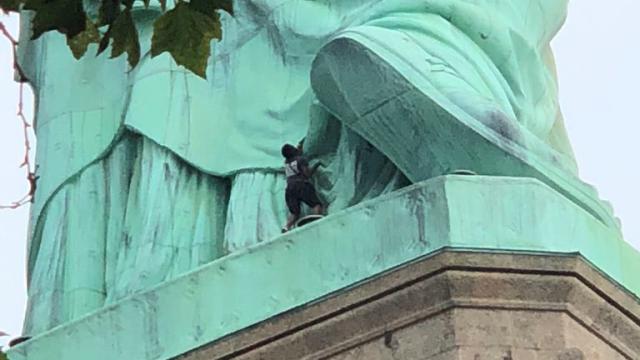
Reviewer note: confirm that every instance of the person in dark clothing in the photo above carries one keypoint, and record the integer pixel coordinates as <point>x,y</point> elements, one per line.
<point>299,187</point>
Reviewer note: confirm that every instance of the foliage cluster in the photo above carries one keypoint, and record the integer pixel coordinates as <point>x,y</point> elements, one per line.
<point>184,31</point>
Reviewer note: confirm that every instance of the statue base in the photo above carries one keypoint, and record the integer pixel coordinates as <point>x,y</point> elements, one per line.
<point>454,265</point>
<point>455,305</point>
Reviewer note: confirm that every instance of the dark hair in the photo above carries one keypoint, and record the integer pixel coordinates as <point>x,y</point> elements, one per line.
<point>289,151</point>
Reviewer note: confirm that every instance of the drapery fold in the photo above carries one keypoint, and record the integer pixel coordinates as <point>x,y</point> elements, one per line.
<point>136,218</point>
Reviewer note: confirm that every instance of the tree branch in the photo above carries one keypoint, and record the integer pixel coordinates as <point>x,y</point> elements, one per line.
<point>26,162</point>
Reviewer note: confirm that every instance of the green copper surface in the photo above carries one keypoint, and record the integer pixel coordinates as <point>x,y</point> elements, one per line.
<point>148,173</point>
<point>454,212</point>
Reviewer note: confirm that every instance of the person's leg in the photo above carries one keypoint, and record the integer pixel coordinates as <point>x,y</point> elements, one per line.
<point>293,203</point>
<point>310,197</point>
<point>291,220</point>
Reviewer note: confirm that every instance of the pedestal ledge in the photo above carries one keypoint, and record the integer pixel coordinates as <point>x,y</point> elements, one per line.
<point>455,305</point>
<point>212,304</point>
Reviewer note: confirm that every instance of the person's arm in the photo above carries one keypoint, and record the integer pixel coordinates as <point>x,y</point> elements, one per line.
<point>309,171</point>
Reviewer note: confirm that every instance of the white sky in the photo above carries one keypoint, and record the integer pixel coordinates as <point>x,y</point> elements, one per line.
<point>599,67</point>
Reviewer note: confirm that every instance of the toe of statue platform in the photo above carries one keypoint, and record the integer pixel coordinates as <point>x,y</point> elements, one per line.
<point>333,256</point>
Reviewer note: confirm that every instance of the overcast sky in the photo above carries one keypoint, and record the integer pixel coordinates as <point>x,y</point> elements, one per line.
<point>599,67</point>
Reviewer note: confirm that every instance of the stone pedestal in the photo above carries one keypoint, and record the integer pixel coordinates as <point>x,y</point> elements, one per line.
<point>456,305</point>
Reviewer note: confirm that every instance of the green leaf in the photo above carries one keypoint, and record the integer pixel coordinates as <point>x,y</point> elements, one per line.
<point>66,16</point>
<point>10,5</point>
<point>226,5</point>
<point>79,43</point>
<point>104,43</point>
<point>109,11</point>
<point>186,33</point>
<point>210,7</point>
<point>2,356</point>
<point>125,38</point>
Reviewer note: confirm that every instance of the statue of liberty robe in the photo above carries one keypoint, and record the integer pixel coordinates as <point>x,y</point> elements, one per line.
<point>149,173</point>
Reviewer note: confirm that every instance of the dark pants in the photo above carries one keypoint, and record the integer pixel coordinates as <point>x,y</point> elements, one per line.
<point>300,191</point>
